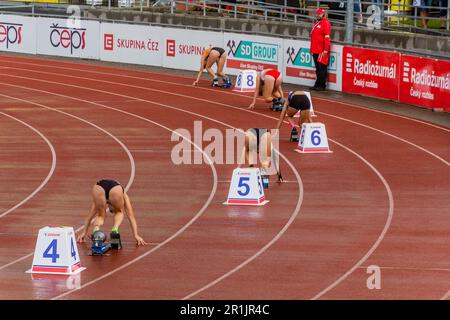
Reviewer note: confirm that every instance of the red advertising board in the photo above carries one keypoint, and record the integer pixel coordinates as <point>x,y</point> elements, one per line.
<point>425,82</point>
<point>371,72</point>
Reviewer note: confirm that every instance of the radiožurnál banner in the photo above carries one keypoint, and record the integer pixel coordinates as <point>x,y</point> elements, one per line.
<point>371,72</point>
<point>425,82</point>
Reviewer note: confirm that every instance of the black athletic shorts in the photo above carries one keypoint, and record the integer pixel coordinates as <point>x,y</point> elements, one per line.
<point>107,185</point>
<point>258,132</point>
<point>219,50</point>
<point>299,101</point>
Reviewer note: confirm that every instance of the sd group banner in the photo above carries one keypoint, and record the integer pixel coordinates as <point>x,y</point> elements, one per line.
<point>18,34</point>
<point>299,68</point>
<point>425,82</point>
<point>252,52</point>
<point>182,49</point>
<point>131,44</point>
<point>62,37</point>
<point>371,72</point>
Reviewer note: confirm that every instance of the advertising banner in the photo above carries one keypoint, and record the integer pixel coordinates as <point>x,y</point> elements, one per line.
<point>18,34</point>
<point>252,53</point>
<point>131,44</point>
<point>425,82</point>
<point>182,49</point>
<point>371,72</point>
<point>68,38</point>
<point>299,68</point>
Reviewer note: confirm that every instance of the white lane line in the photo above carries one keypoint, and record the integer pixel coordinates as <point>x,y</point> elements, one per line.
<point>49,174</point>
<point>380,237</point>
<point>176,234</point>
<point>138,99</point>
<point>210,89</point>
<point>290,221</point>
<point>130,156</point>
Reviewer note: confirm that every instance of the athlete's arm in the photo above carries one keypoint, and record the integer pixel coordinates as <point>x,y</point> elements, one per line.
<point>87,223</point>
<point>132,219</point>
<point>202,65</point>
<point>258,83</point>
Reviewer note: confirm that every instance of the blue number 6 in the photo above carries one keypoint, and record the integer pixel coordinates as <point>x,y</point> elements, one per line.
<point>315,138</point>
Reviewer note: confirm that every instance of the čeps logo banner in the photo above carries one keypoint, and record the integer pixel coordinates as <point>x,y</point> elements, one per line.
<point>131,44</point>
<point>182,49</point>
<point>18,34</point>
<point>252,52</point>
<point>299,65</point>
<point>371,72</point>
<point>425,82</point>
<point>62,37</point>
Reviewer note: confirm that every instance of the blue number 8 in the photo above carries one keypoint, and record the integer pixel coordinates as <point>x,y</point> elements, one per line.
<point>250,81</point>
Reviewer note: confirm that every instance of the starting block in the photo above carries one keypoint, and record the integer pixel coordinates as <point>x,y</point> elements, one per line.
<point>294,135</point>
<point>99,247</point>
<point>246,188</point>
<point>115,241</point>
<point>265,179</point>
<point>56,252</point>
<point>246,81</point>
<point>313,139</point>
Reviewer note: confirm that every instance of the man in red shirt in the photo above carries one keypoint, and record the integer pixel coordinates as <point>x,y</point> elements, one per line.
<point>320,47</point>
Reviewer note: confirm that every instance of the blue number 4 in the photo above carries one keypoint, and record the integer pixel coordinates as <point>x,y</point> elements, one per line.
<point>53,248</point>
<point>72,250</point>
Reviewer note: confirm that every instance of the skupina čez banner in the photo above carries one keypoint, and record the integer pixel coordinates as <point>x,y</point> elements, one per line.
<point>246,52</point>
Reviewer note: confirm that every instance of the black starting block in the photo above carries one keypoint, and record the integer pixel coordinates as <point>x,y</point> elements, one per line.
<point>277,107</point>
<point>222,85</point>
<point>294,135</point>
<point>115,241</point>
<point>99,247</point>
<point>227,84</point>
<point>265,181</point>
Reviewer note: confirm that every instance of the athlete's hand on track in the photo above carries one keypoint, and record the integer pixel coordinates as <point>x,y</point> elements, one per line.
<point>140,241</point>
<point>195,83</point>
<point>81,237</point>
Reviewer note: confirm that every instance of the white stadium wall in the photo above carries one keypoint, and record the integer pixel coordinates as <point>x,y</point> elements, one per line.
<point>17,34</point>
<point>252,52</point>
<point>66,38</point>
<point>182,48</point>
<point>131,44</point>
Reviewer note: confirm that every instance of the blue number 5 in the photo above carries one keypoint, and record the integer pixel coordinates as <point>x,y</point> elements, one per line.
<point>242,183</point>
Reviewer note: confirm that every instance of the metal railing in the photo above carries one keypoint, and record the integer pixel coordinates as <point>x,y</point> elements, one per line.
<point>235,10</point>
<point>400,15</point>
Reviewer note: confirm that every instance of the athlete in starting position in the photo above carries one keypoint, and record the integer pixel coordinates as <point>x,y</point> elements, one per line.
<point>297,101</point>
<point>110,194</point>
<point>211,56</point>
<point>268,84</point>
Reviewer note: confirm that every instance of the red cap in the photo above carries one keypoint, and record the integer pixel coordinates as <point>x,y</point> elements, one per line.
<point>320,11</point>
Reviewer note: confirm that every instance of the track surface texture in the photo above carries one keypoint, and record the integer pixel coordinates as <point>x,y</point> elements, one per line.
<point>382,198</point>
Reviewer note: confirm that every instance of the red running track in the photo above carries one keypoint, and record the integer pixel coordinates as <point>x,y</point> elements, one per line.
<point>381,198</point>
